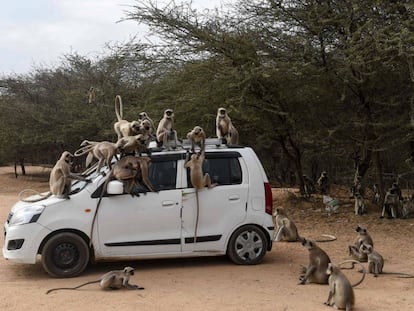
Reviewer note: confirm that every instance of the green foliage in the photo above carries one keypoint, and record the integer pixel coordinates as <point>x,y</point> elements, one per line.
<point>311,85</point>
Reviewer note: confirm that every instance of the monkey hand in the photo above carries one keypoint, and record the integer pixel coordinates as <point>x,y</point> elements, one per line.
<point>88,180</point>
<point>327,303</point>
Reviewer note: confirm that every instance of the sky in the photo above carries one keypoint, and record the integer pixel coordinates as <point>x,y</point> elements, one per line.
<point>37,33</point>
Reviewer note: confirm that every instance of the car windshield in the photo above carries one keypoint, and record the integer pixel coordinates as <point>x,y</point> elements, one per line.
<point>90,173</point>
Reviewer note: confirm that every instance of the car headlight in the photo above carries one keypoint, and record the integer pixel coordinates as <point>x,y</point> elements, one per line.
<point>26,215</point>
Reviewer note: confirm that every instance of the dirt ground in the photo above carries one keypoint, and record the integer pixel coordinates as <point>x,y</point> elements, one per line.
<point>215,283</point>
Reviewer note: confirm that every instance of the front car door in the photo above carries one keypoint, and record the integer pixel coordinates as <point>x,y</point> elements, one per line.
<point>150,223</point>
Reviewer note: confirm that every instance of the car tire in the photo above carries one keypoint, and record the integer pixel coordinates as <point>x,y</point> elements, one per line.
<point>247,245</point>
<point>65,255</point>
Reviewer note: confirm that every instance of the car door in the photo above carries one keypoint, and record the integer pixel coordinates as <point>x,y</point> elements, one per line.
<point>221,208</point>
<point>146,224</point>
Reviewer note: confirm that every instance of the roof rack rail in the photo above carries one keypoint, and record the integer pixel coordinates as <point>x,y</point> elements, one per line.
<point>185,144</point>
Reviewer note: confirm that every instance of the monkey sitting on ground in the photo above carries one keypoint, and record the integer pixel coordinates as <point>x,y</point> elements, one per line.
<point>165,130</point>
<point>225,128</point>
<point>286,229</point>
<point>197,137</point>
<point>104,151</point>
<point>60,180</point>
<point>341,294</point>
<point>123,127</point>
<point>363,237</point>
<point>318,264</point>
<point>116,279</point>
<point>376,262</point>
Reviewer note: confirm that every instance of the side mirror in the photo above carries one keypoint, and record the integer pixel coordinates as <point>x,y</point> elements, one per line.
<point>115,187</point>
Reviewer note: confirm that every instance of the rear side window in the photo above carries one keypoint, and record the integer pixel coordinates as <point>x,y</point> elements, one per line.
<point>222,170</point>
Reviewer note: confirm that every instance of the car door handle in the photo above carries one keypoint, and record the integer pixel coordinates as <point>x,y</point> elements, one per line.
<point>167,203</point>
<point>234,197</point>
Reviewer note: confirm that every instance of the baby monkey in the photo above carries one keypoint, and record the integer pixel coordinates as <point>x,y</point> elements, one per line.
<point>115,279</point>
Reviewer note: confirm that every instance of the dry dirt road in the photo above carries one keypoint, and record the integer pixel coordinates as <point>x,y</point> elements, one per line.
<point>215,283</point>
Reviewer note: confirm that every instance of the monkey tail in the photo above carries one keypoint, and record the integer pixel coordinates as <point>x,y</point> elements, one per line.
<point>330,238</point>
<point>98,204</point>
<point>197,217</point>
<point>119,114</point>
<point>42,197</point>
<point>83,150</point>
<point>353,264</point>
<point>71,288</point>
<point>399,274</point>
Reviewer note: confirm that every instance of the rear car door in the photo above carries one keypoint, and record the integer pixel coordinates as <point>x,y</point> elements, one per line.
<point>145,224</point>
<point>221,208</point>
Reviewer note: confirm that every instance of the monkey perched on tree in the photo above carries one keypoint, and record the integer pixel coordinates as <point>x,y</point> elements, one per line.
<point>91,95</point>
<point>225,128</point>
<point>111,280</point>
<point>61,177</point>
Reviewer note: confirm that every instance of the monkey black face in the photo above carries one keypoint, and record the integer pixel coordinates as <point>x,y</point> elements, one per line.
<point>197,130</point>
<point>361,230</point>
<point>129,270</point>
<point>169,113</point>
<point>135,126</point>
<point>366,249</point>
<point>222,111</point>
<point>142,116</point>
<point>68,157</point>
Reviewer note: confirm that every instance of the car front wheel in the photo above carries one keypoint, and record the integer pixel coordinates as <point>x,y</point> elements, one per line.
<point>65,255</point>
<point>247,245</point>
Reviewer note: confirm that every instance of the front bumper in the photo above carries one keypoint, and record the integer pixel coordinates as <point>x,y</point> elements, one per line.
<point>22,242</point>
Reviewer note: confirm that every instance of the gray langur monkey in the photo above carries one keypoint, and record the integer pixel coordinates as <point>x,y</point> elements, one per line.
<point>376,263</point>
<point>103,151</point>
<point>123,127</point>
<point>165,130</point>
<point>286,229</point>
<point>132,144</point>
<point>115,279</point>
<point>143,116</point>
<point>363,237</point>
<point>341,294</point>
<point>198,180</point>
<point>129,169</point>
<point>225,128</point>
<point>60,180</point>
<point>91,95</point>
<point>318,264</point>
<point>197,137</point>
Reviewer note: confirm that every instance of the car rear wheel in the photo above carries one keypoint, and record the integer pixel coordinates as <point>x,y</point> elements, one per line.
<point>247,245</point>
<point>65,255</point>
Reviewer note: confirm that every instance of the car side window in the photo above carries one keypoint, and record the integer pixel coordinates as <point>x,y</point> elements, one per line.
<point>222,170</point>
<point>162,175</point>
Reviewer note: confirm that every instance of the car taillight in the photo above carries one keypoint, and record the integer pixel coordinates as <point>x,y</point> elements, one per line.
<point>268,198</point>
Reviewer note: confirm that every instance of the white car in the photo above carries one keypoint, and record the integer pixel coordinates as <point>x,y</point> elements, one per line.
<point>235,217</point>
